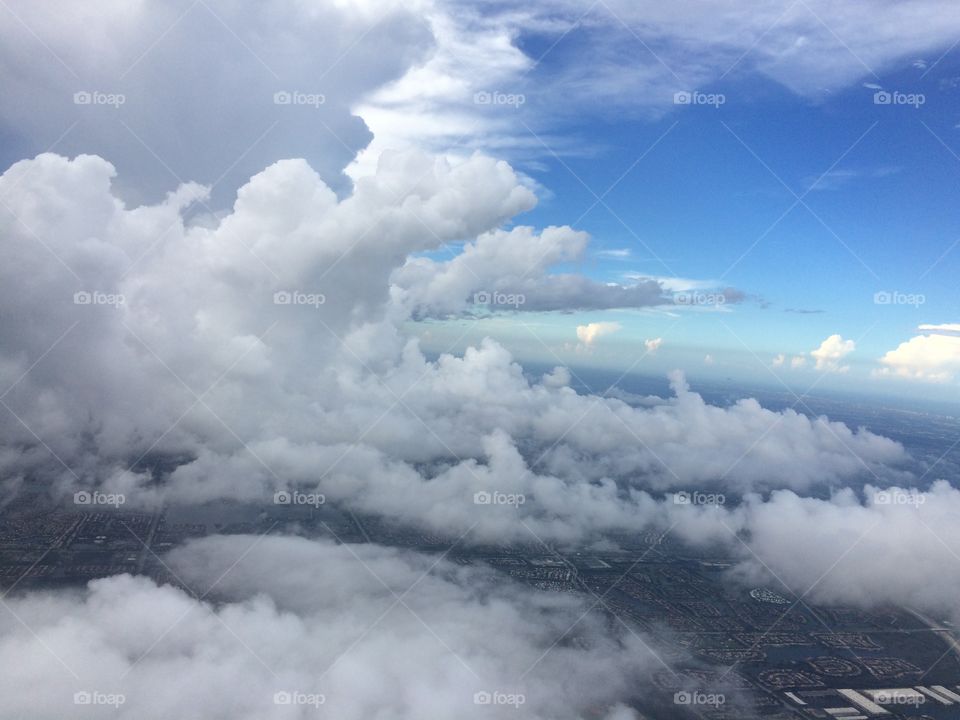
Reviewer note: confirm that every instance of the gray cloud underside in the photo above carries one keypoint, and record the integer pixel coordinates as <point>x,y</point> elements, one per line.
<point>299,616</point>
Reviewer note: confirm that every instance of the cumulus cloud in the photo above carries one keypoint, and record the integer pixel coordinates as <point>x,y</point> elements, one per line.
<point>269,349</point>
<point>367,631</point>
<point>933,356</point>
<point>588,334</point>
<point>138,303</point>
<point>653,344</point>
<point>874,549</point>
<point>509,271</point>
<point>798,361</point>
<point>831,352</point>
<point>157,346</point>
<point>584,465</point>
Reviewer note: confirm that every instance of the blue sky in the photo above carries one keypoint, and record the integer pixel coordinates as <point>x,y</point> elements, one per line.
<point>701,191</point>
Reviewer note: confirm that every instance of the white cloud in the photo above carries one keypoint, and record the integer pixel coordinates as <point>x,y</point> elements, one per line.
<point>510,271</point>
<point>423,65</point>
<point>814,49</point>
<point>588,334</point>
<point>617,253</point>
<point>933,357</point>
<point>795,363</point>
<point>653,344</point>
<point>676,284</point>
<point>318,619</point>
<point>264,346</point>
<point>200,301</point>
<point>434,105</point>
<point>944,327</point>
<point>288,387</point>
<point>831,352</point>
<point>880,551</point>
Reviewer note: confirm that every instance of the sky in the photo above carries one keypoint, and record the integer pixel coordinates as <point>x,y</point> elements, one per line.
<point>817,204</point>
<point>782,177</point>
<point>364,249</point>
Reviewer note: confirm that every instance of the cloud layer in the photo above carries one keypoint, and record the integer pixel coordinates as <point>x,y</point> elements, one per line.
<point>264,349</point>
<point>354,632</point>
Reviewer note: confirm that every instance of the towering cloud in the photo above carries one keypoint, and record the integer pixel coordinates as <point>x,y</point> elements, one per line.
<point>265,349</point>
